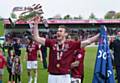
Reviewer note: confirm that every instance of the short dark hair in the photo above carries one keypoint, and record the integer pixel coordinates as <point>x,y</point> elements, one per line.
<point>62,26</point>
<point>66,28</point>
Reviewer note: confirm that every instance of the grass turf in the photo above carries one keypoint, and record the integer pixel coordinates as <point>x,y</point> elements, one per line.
<point>1,28</point>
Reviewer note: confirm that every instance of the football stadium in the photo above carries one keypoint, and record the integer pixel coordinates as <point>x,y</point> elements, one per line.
<point>39,49</point>
<point>84,28</point>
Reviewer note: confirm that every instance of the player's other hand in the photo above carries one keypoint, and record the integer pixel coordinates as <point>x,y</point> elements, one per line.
<point>41,60</point>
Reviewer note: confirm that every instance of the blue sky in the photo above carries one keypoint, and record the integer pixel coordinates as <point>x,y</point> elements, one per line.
<point>63,7</point>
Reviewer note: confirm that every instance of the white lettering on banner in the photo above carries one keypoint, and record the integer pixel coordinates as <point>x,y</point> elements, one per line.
<point>109,72</point>
<point>104,41</point>
<point>102,54</point>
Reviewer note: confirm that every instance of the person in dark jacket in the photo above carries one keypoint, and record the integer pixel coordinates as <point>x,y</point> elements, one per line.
<point>115,46</point>
<point>44,56</point>
<point>17,47</point>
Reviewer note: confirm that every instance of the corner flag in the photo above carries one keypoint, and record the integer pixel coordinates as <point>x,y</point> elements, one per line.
<point>103,72</point>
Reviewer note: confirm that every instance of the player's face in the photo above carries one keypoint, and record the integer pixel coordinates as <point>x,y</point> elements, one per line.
<point>60,33</point>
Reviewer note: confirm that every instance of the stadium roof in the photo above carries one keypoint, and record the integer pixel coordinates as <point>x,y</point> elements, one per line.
<point>53,21</point>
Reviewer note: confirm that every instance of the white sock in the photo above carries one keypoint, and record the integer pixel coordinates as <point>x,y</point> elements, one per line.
<point>30,79</point>
<point>35,79</point>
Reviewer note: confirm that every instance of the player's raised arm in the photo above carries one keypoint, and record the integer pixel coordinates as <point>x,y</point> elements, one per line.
<point>36,36</point>
<point>89,40</point>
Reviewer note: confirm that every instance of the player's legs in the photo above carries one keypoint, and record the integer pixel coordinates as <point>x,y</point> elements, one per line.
<point>29,76</point>
<point>35,74</point>
<point>59,78</point>
<point>82,78</point>
<point>76,80</point>
<point>34,67</point>
<point>51,78</point>
<point>29,68</point>
<point>64,79</point>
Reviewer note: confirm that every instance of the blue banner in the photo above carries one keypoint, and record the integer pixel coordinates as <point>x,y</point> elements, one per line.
<point>103,72</point>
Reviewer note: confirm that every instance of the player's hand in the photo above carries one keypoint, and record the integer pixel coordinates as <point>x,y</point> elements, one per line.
<point>75,64</point>
<point>37,19</point>
<point>41,60</point>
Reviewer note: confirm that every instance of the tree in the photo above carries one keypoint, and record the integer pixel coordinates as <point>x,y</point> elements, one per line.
<point>92,16</point>
<point>110,15</point>
<point>79,17</point>
<point>1,18</point>
<point>117,15</point>
<point>67,17</point>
